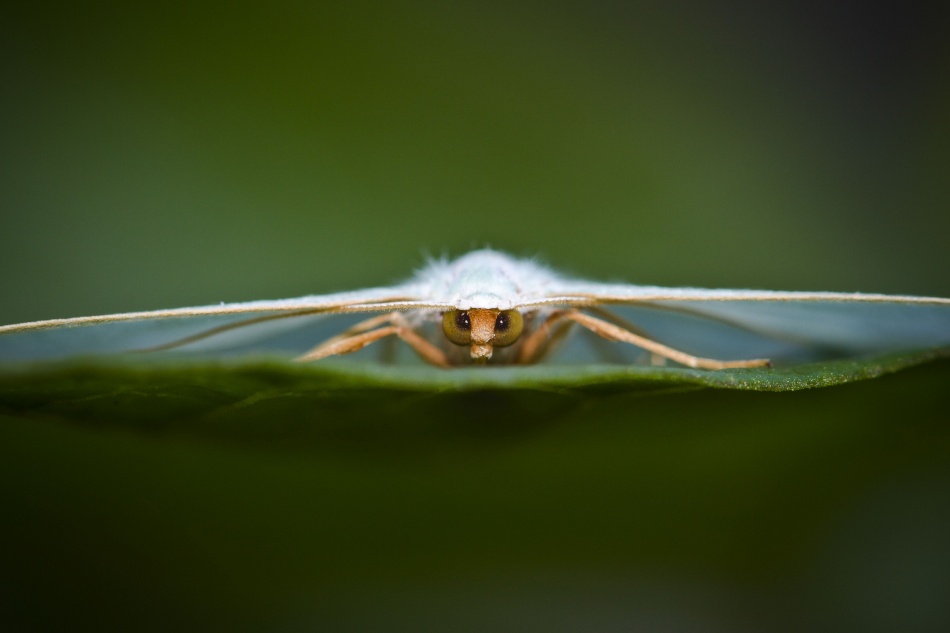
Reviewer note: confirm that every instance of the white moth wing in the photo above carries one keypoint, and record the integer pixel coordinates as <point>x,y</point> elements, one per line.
<point>795,325</point>
<point>578,292</point>
<point>233,324</point>
<point>369,300</point>
<point>724,324</point>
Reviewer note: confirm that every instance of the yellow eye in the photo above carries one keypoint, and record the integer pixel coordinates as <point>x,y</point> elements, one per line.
<point>457,326</point>
<point>508,326</point>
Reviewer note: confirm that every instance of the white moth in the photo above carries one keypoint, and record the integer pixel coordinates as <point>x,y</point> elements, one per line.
<point>489,307</point>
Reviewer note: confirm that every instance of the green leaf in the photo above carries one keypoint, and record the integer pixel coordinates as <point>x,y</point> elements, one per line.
<point>267,496</point>
<point>274,401</point>
<point>156,389</point>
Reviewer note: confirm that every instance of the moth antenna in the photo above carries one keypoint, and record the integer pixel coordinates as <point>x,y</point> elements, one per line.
<point>616,319</point>
<point>200,336</point>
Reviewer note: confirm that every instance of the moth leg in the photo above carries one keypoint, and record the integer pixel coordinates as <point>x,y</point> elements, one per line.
<point>616,333</point>
<point>537,344</point>
<point>345,345</point>
<point>362,334</point>
<point>429,352</point>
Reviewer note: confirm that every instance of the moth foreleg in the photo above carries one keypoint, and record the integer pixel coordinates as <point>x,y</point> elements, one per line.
<point>616,333</point>
<point>346,344</point>
<point>362,334</point>
<point>429,352</point>
<point>539,342</point>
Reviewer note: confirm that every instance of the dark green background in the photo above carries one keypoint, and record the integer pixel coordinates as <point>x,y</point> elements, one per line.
<point>224,151</point>
<point>205,152</point>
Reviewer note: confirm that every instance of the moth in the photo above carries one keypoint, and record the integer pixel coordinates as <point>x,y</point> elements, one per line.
<point>488,307</point>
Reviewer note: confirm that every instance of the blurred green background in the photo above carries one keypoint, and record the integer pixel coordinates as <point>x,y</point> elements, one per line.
<point>202,152</point>
<point>192,153</point>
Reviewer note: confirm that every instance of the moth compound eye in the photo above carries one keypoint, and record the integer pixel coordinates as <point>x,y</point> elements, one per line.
<point>457,326</point>
<point>508,326</point>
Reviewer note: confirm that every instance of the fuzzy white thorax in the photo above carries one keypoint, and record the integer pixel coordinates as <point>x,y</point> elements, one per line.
<point>484,279</point>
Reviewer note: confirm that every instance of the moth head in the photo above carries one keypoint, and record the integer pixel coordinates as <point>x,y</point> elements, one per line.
<point>482,329</point>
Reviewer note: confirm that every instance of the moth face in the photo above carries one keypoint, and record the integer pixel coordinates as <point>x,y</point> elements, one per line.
<point>482,329</point>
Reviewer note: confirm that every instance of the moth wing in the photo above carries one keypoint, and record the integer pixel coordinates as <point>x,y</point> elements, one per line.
<point>785,326</point>
<point>231,324</point>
